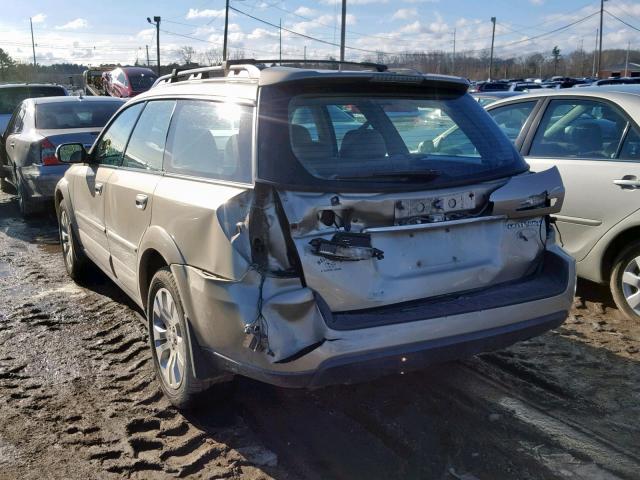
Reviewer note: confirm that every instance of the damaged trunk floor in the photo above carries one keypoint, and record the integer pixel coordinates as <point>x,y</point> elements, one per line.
<point>78,397</point>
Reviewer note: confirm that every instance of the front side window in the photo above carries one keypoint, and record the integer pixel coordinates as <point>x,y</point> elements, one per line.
<point>211,140</point>
<point>579,128</point>
<point>511,118</point>
<point>442,137</point>
<point>111,145</point>
<point>146,145</point>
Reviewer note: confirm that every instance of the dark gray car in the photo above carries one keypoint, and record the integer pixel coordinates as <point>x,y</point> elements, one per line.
<point>36,128</point>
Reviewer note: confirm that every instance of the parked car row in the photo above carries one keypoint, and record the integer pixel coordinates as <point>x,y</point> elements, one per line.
<point>272,229</point>
<point>526,85</point>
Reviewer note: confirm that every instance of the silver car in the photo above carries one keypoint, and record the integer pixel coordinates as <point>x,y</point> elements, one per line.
<point>592,136</point>
<point>36,128</point>
<point>260,243</point>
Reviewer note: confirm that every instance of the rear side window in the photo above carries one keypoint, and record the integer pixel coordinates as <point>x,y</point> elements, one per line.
<point>579,128</point>
<point>17,122</point>
<point>75,114</point>
<point>511,118</point>
<point>110,147</point>
<point>10,98</point>
<point>210,139</point>
<point>631,146</point>
<point>146,145</point>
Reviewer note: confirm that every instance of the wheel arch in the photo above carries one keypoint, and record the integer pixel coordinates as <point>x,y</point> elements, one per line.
<point>157,250</point>
<point>615,246</point>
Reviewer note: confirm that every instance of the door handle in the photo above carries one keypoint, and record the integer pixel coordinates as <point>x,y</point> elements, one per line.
<point>98,188</point>
<point>141,201</point>
<point>629,182</point>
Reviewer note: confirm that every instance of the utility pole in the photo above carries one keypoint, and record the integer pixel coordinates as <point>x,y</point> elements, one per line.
<point>280,39</point>
<point>493,37</point>
<point>343,31</point>
<point>626,62</point>
<point>148,63</point>
<point>226,32</point>
<point>601,32</point>
<point>305,53</point>
<point>156,22</point>
<point>33,46</point>
<point>453,58</point>
<point>582,57</point>
<point>595,52</point>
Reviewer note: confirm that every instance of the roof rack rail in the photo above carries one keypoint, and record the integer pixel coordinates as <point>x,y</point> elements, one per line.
<point>268,62</point>
<point>200,73</point>
<point>252,67</point>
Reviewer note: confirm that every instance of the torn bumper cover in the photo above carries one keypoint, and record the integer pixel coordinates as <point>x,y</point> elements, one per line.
<point>411,336</point>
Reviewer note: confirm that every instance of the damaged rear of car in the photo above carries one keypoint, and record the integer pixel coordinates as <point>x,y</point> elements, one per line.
<point>290,225</point>
<point>356,255</point>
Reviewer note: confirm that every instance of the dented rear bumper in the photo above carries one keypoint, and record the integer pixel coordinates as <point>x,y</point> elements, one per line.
<point>397,359</point>
<point>313,346</point>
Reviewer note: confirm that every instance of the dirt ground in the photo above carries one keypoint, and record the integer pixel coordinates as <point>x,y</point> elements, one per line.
<point>78,398</point>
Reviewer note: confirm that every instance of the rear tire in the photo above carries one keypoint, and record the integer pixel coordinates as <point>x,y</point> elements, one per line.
<point>75,260</point>
<point>27,206</point>
<point>625,281</point>
<point>169,343</point>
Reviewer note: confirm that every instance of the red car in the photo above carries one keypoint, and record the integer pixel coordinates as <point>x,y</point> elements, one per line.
<point>128,82</point>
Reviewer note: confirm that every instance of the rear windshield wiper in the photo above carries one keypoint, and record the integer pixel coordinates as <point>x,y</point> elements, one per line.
<point>421,175</point>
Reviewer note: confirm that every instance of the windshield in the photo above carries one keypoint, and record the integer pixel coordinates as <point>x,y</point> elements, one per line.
<point>389,138</point>
<point>11,97</point>
<point>79,114</point>
<point>141,81</point>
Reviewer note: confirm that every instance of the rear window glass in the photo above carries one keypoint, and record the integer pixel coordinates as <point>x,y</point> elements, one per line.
<point>10,98</point>
<point>79,114</point>
<point>141,81</point>
<point>342,138</point>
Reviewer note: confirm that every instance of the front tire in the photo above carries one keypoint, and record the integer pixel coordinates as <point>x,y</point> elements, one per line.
<point>625,281</point>
<point>75,260</point>
<point>170,344</point>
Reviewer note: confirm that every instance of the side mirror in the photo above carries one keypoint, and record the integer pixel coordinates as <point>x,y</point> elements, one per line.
<point>71,153</point>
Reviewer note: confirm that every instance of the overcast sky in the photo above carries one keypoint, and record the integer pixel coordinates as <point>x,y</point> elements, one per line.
<point>92,32</point>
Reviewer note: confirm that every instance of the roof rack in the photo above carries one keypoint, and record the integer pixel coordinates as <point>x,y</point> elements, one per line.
<point>379,67</point>
<point>252,67</point>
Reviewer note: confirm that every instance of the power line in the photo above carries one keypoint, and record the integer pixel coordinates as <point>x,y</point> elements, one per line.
<point>535,37</point>
<point>309,37</point>
<point>620,20</point>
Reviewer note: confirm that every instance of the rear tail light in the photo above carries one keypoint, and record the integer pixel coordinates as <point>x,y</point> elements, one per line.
<point>48,153</point>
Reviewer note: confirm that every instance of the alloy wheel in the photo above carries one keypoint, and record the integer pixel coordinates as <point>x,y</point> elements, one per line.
<point>631,284</point>
<point>168,338</point>
<point>66,239</point>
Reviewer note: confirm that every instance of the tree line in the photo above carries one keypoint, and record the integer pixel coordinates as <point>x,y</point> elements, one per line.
<point>578,63</point>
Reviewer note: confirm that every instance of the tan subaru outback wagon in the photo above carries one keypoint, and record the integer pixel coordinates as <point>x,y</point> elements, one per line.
<point>285,224</point>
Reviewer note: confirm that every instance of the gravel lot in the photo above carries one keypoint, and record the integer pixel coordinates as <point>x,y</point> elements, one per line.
<point>78,397</point>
